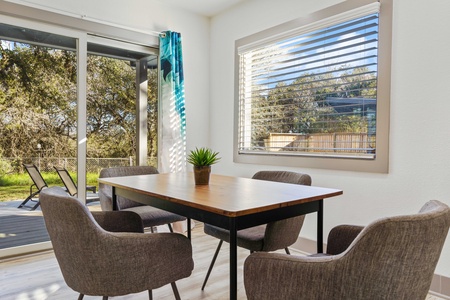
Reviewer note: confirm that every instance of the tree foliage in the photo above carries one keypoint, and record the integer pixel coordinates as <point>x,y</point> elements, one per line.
<point>38,104</point>
<point>301,105</point>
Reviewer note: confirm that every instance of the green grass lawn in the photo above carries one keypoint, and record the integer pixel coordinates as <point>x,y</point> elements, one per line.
<point>17,186</point>
<point>14,192</point>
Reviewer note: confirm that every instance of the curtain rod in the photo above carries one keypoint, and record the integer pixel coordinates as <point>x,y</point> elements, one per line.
<point>84,17</point>
<point>98,21</point>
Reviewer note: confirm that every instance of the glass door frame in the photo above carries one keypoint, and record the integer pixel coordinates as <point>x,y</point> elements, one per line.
<point>81,54</point>
<point>26,17</point>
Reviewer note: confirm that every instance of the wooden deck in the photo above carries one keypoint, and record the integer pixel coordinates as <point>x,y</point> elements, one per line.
<point>20,227</point>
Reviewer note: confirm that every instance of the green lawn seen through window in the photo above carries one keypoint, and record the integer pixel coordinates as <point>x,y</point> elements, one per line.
<point>17,186</point>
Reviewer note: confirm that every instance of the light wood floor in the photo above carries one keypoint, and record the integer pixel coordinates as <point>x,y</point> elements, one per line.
<point>37,277</point>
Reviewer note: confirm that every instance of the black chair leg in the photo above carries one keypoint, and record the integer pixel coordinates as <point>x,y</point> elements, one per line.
<point>105,298</point>
<point>212,264</point>
<point>175,291</point>
<point>150,295</point>
<point>81,297</point>
<point>30,198</point>
<point>189,230</point>
<point>287,250</point>
<point>36,206</point>
<point>24,202</point>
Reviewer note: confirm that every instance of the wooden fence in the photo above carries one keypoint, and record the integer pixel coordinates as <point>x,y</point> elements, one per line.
<point>321,142</point>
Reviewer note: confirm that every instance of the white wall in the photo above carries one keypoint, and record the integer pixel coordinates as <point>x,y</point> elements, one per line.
<point>420,107</point>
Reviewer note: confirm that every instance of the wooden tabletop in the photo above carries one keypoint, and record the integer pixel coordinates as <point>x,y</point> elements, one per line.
<point>225,195</point>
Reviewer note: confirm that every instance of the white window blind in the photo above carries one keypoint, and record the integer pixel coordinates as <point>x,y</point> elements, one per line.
<point>312,91</point>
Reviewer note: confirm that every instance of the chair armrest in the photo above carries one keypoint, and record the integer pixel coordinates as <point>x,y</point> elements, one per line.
<point>269,276</point>
<point>119,221</point>
<point>340,237</point>
<point>150,260</point>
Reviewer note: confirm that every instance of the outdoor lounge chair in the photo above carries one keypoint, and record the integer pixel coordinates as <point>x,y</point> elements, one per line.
<point>72,188</point>
<point>38,182</point>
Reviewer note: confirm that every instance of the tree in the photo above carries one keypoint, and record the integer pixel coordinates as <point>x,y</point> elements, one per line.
<point>35,81</point>
<point>301,105</point>
<point>38,104</point>
<point>111,107</point>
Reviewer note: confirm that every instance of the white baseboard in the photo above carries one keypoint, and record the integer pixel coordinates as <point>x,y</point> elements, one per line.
<point>27,249</point>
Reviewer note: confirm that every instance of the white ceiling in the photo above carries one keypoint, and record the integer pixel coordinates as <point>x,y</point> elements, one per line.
<point>207,8</point>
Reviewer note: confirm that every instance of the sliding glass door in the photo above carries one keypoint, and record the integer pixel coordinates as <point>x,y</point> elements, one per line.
<point>72,100</point>
<point>122,106</point>
<point>42,99</point>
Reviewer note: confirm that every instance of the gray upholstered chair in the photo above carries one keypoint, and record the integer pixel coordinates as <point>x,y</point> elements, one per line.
<point>392,258</point>
<point>151,216</point>
<point>270,237</point>
<point>97,262</point>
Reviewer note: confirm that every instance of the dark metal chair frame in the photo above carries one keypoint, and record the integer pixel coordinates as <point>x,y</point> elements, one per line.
<point>38,182</point>
<point>71,187</point>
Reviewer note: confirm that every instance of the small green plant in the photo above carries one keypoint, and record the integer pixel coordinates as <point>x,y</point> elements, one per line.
<point>201,157</point>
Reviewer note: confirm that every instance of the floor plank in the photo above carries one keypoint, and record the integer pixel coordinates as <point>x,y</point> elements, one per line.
<point>38,277</point>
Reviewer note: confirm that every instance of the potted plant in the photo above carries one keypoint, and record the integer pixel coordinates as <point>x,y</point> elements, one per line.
<point>202,159</point>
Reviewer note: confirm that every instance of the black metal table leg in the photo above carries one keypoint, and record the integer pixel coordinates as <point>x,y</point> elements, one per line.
<point>233,259</point>
<point>320,228</point>
<point>114,199</point>
<point>188,220</point>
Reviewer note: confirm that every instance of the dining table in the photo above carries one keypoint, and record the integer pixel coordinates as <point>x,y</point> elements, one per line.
<point>229,202</point>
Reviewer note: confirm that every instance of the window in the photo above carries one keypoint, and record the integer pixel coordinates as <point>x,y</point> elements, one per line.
<point>313,94</point>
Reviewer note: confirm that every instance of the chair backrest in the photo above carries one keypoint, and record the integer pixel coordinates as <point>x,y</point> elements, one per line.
<point>36,176</point>
<point>105,191</point>
<point>97,262</point>
<point>74,234</point>
<point>283,233</point>
<point>396,256</point>
<point>67,180</point>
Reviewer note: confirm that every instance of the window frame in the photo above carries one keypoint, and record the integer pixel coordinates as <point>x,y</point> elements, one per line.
<point>379,164</point>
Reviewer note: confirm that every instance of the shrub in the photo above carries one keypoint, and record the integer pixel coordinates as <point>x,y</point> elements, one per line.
<point>5,167</point>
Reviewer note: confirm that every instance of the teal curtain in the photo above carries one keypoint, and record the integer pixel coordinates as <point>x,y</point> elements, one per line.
<point>173,144</point>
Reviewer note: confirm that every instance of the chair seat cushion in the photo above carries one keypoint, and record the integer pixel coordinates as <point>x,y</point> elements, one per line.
<point>152,216</point>
<point>250,238</point>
